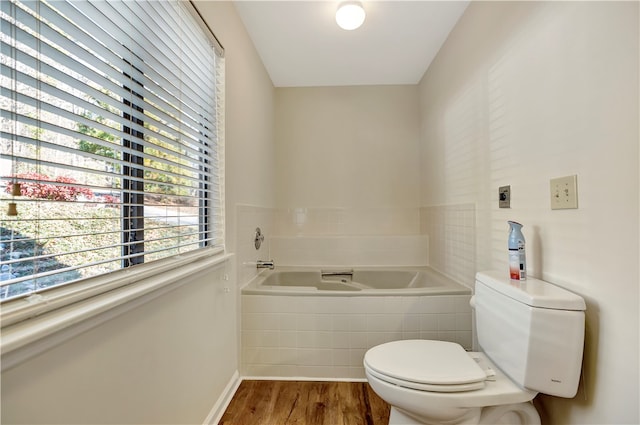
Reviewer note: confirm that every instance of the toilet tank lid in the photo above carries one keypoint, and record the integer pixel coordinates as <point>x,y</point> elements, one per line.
<point>533,292</point>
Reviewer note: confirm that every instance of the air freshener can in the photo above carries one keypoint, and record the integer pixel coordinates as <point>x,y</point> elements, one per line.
<point>517,254</point>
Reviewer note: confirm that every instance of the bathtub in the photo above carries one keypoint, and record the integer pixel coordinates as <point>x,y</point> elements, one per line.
<point>370,281</point>
<point>317,323</point>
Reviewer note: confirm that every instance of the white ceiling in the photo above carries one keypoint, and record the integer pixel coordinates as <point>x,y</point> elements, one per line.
<point>301,45</point>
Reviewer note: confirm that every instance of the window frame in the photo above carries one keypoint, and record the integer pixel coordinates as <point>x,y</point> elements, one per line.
<point>43,302</point>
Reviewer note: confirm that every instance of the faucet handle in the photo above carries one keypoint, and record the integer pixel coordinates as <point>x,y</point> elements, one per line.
<point>258,238</point>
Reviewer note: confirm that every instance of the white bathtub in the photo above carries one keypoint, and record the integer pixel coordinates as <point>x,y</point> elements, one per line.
<point>297,324</point>
<point>370,281</point>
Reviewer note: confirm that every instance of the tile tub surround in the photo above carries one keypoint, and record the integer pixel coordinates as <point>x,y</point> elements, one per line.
<point>248,217</point>
<point>325,337</point>
<point>452,242</point>
<point>352,221</point>
<point>403,250</point>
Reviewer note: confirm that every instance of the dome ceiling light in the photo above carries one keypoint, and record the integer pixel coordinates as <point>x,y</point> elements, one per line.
<point>350,15</point>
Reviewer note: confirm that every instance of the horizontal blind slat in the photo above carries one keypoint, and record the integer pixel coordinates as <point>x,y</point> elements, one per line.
<point>189,128</point>
<point>186,53</point>
<point>201,167</point>
<point>29,40</point>
<point>86,105</point>
<point>136,86</point>
<point>122,29</point>
<point>96,13</point>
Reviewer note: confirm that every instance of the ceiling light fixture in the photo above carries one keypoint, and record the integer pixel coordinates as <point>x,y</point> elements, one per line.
<point>350,15</point>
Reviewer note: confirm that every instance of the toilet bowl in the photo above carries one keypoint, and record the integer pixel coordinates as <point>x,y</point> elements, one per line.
<point>531,336</point>
<point>438,382</point>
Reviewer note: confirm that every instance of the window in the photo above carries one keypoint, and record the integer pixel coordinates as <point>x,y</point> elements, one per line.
<point>111,148</point>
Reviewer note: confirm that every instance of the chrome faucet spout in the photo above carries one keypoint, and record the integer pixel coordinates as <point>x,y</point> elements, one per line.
<point>261,264</point>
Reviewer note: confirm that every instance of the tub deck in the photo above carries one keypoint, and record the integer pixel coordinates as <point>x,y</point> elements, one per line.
<point>357,281</point>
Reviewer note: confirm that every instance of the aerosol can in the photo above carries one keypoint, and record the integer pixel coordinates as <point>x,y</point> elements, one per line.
<point>517,257</point>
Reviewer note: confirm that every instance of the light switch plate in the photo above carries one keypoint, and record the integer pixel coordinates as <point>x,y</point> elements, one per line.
<point>564,192</point>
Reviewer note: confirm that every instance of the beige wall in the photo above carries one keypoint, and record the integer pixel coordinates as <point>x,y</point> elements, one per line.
<point>250,147</point>
<point>169,360</point>
<point>250,153</point>
<point>347,147</point>
<point>523,92</point>
<point>165,362</point>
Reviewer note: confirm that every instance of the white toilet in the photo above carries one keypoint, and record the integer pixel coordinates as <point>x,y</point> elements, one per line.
<point>531,334</point>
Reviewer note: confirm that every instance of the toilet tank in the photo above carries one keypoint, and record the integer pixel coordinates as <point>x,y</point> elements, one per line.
<point>532,330</point>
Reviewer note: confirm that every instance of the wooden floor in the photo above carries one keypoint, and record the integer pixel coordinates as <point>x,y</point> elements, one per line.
<point>305,403</point>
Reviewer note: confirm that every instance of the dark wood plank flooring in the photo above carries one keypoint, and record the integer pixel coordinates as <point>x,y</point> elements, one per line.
<point>305,403</point>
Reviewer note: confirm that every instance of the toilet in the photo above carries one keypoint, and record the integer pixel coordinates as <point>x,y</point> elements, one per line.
<point>531,337</point>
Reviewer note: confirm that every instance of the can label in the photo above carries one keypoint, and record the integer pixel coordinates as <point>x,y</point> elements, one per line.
<point>517,267</point>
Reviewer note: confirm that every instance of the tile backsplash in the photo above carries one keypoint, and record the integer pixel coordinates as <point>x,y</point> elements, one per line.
<point>351,251</point>
<point>452,244</point>
<point>247,219</point>
<point>442,237</point>
<point>346,221</point>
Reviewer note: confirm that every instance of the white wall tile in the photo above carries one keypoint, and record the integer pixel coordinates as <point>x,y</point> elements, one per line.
<point>341,340</point>
<point>287,338</point>
<point>411,323</point>
<point>315,344</point>
<point>452,247</point>
<point>341,357</point>
<point>288,321</point>
<point>247,219</point>
<point>341,322</point>
<point>433,335</point>
<point>410,335</point>
<point>358,323</point>
<point>358,340</point>
<point>428,322</point>
<point>447,322</point>
<point>463,321</point>
<point>312,343</point>
<point>409,250</point>
<point>384,322</point>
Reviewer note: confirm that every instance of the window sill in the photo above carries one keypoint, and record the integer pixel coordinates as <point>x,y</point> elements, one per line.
<point>28,324</point>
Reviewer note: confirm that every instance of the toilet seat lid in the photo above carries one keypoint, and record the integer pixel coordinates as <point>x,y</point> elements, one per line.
<point>425,362</point>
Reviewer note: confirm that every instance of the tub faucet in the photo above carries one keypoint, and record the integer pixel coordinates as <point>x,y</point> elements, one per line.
<point>265,264</point>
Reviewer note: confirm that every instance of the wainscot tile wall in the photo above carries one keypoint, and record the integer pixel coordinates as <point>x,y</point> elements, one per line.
<point>350,250</point>
<point>249,217</point>
<point>326,337</point>
<point>346,221</point>
<point>452,243</point>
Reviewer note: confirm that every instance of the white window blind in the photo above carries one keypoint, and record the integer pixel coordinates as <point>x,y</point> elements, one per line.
<point>111,148</point>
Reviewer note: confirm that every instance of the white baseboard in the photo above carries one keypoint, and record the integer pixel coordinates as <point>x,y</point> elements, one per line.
<point>223,401</point>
